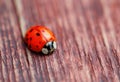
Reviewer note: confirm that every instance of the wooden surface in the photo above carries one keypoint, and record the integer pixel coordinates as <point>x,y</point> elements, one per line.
<point>88,38</point>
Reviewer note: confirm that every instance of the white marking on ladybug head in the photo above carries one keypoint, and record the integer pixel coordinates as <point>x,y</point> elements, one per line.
<point>54,45</point>
<point>48,43</point>
<point>44,50</point>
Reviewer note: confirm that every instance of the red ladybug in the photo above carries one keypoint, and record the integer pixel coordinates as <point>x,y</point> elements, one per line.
<point>40,39</point>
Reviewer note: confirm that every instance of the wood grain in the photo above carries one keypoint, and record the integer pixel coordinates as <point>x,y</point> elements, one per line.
<point>87,34</point>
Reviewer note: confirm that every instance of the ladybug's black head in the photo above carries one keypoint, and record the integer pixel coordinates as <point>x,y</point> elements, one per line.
<point>49,47</point>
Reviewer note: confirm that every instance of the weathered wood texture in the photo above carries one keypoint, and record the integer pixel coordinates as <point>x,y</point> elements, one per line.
<point>88,37</point>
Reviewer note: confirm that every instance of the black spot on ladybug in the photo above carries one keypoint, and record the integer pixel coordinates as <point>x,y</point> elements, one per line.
<point>30,38</point>
<point>31,30</point>
<point>37,34</point>
<point>30,46</point>
<point>26,39</point>
<point>37,46</point>
<point>27,35</point>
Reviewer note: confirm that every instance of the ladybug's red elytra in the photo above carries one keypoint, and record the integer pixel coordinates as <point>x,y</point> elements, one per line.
<point>40,39</point>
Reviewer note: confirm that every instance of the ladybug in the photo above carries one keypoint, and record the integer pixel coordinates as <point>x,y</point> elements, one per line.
<point>40,39</point>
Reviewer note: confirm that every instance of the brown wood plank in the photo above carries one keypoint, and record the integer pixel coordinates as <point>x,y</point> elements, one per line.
<point>13,58</point>
<point>87,34</point>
